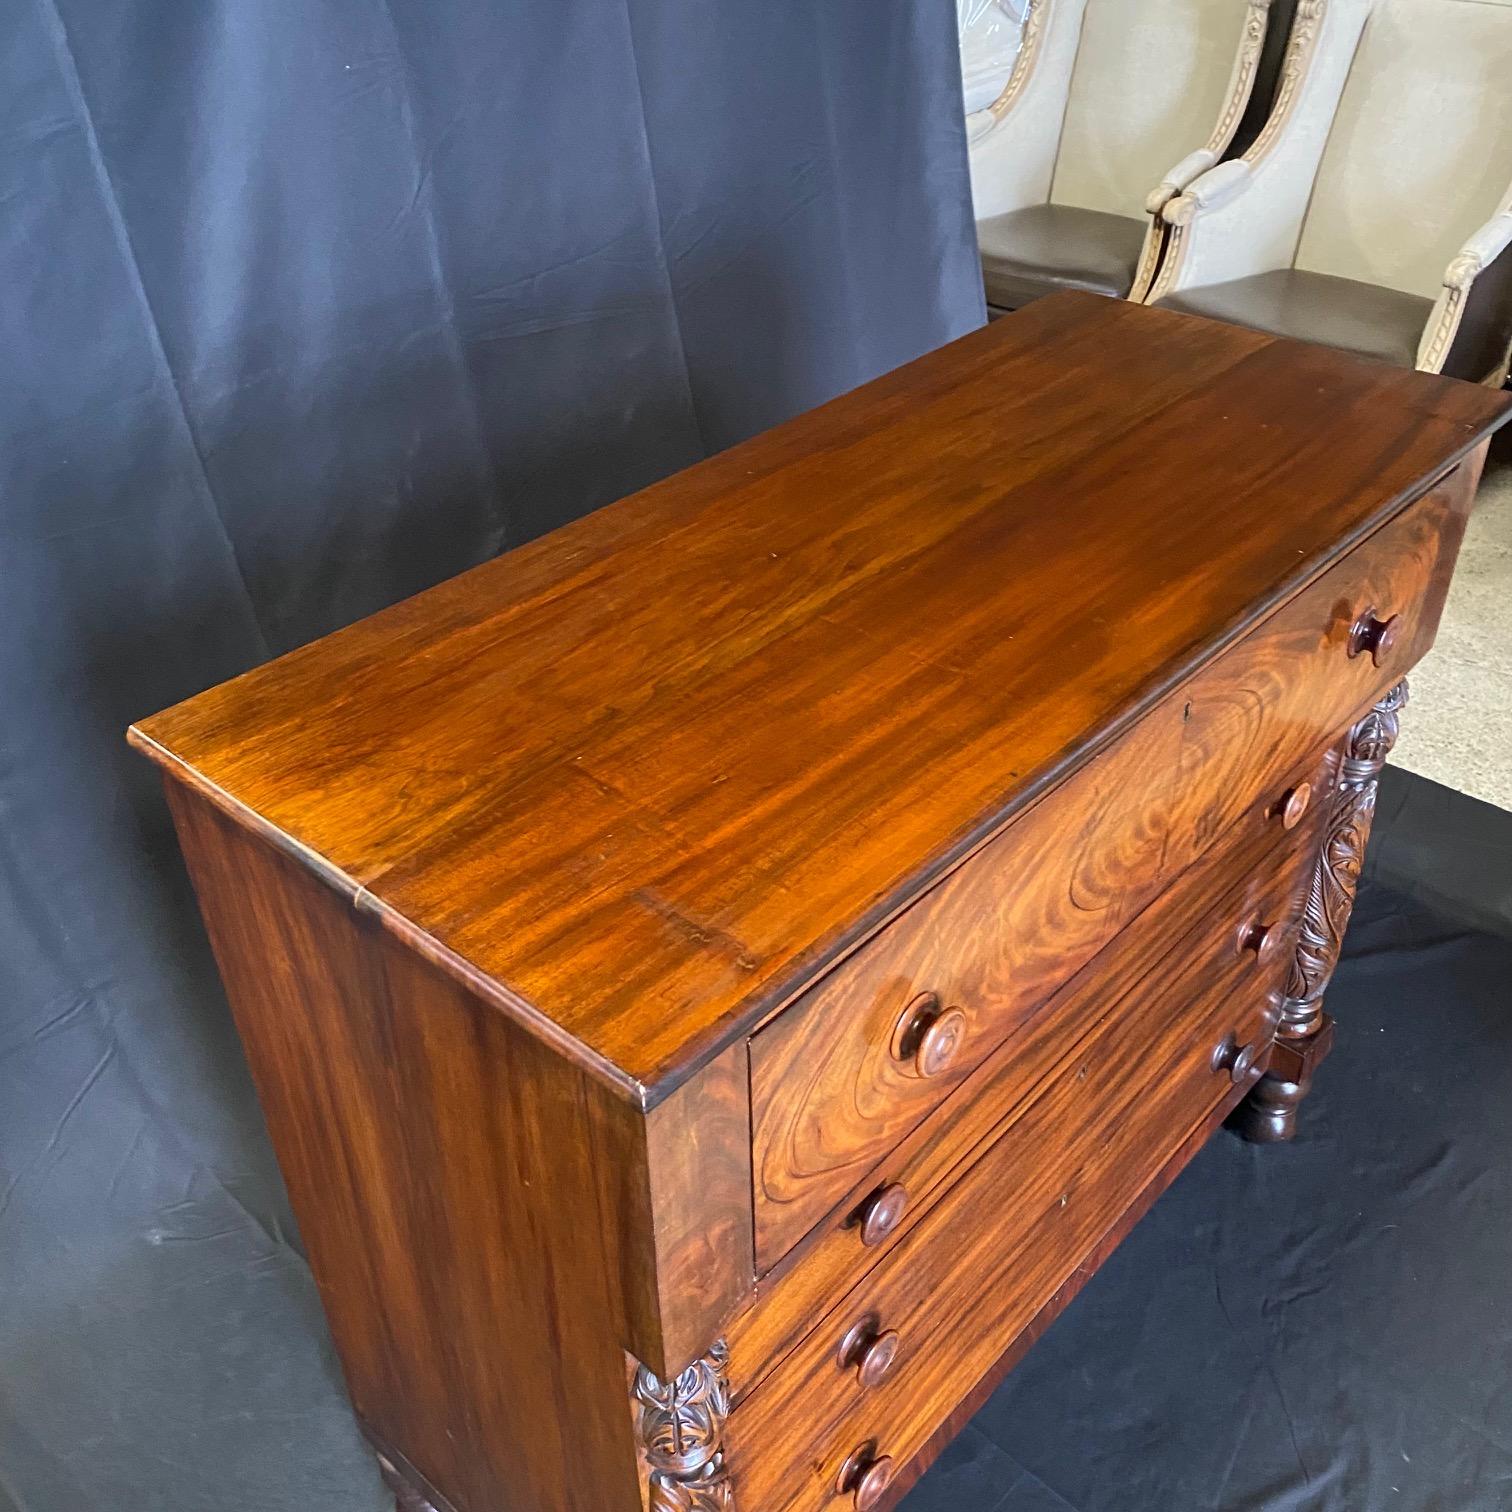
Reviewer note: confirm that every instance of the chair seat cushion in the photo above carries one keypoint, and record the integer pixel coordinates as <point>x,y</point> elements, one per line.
<point>1027,253</point>
<point>1384,325</point>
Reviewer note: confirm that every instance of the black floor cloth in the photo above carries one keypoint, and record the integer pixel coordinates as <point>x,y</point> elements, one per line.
<point>1324,1326</point>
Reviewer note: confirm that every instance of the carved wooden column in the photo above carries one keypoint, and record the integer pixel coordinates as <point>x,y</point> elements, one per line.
<point>681,1430</point>
<point>1304,1035</point>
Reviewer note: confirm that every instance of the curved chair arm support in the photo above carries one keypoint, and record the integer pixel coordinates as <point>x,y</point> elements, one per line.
<point>1208,192</point>
<point>1013,164</point>
<point>1193,164</point>
<point>1236,100</point>
<point>1244,217</point>
<point>1480,273</point>
<point>1479,252</point>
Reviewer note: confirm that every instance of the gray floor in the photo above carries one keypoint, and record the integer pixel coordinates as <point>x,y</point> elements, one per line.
<point>1458,729</point>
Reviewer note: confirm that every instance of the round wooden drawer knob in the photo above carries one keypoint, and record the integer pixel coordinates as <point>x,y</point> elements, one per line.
<point>1237,1060</point>
<point>1374,635</point>
<point>882,1212</point>
<point>866,1476</point>
<point>870,1350</point>
<point>1266,941</point>
<point>929,1035</point>
<point>1294,804</point>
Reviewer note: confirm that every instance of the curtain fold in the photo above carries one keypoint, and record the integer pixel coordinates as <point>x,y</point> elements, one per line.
<point>306,307</point>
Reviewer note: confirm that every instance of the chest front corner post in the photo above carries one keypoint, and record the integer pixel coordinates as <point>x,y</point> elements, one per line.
<point>679,1428</point>
<point>1305,1033</point>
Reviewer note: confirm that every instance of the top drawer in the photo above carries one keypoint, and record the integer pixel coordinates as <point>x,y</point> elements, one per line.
<point>843,1074</point>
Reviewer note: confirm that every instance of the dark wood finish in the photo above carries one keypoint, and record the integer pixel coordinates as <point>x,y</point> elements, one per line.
<point>973,1400</point>
<point>865,1477</point>
<point>829,1092</point>
<point>957,1288</point>
<point>709,1018</point>
<point>445,1282</point>
<point>994,939</point>
<point>1269,1114</point>
<point>636,782</point>
<point>879,1216</point>
<point>1374,636</point>
<point>680,1427</point>
<point>869,1349</point>
<point>1291,685</point>
<point>1294,805</point>
<point>1258,868</point>
<point>1337,873</point>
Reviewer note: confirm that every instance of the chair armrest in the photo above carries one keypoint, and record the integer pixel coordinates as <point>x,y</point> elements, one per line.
<point>1469,333</point>
<point>1208,191</point>
<point>1480,250</point>
<point>1193,164</point>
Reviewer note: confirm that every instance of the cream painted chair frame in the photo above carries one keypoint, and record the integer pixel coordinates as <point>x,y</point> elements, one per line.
<point>1000,113</point>
<point>1480,250</point>
<point>1206,220</point>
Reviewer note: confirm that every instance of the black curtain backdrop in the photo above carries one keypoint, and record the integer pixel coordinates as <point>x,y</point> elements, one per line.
<point>303,307</point>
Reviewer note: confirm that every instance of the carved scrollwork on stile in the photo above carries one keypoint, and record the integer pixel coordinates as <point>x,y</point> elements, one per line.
<point>681,1430</point>
<point>1336,876</point>
<point>1251,43</point>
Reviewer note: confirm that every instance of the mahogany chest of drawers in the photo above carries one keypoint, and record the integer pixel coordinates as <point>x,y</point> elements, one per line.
<point>721,976</point>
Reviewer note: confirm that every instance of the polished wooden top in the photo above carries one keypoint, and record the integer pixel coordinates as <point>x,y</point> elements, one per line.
<point>638,779</point>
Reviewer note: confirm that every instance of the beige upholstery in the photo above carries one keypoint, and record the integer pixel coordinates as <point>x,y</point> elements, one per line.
<point>1106,99</point>
<point>1149,84</point>
<point>1382,169</point>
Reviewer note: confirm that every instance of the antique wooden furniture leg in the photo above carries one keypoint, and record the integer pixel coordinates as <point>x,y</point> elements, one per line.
<point>680,1428</point>
<point>1305,1033</point>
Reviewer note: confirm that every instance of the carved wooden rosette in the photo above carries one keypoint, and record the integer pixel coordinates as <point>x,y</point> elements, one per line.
<point>680,1425</point>
<point>1331,896</point>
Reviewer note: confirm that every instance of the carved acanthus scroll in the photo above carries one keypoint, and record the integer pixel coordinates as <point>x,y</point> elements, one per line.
<point>681,1429</point>
<point>1331,896</point>
<point>1305,1033</point>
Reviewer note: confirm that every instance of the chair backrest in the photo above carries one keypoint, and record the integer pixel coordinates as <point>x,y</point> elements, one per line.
<point>1147,87</point>
<point>1420,150</point>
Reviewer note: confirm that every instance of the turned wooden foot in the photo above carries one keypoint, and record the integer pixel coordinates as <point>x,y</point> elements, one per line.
<point>1305,1033</point>
<point>1269,1114</point>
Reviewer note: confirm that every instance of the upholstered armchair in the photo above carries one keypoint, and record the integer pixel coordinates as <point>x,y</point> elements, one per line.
<point>1103,98</point>
<point>1373,212</point>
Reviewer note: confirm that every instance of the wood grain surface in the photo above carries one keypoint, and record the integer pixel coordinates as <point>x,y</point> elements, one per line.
<point>490,1227</point>
<point>1006,1236</point>
<point>1260,871</point>
<point>1029,909</point>
<point>636,782</point>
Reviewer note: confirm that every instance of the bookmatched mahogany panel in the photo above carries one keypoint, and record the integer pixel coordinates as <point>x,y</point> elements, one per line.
<point>832,1086</point>
<point>1260,874</point>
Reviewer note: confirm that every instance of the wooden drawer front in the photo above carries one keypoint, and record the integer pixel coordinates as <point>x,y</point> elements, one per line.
<point>1261,873</point>
<point>1292,681</point>
<point>993,940</point>
<point>974,1271</point>
<point>830,1091</point>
